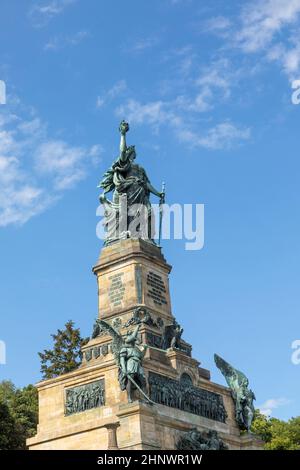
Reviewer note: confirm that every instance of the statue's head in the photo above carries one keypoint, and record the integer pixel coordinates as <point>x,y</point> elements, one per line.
<point>245,382</point>
<point>131,153</point>
<point>194,433</point>
<point>129,339</point>
<point>131,336</point>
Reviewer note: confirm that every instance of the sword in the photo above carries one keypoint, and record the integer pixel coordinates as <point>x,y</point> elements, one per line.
<point>140,390</point>
<point>156,349</point>
<point>161,202</point>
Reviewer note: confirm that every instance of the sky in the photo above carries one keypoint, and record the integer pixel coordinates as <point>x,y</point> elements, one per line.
<point>207,90</point>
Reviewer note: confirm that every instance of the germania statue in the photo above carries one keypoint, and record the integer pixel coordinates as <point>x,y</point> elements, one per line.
<point>129,213</point>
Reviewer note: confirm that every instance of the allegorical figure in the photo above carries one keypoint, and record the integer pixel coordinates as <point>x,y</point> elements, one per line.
<point>172,336</point>
<point>131,370</point>
<point>129,213</point>
<point>243,397</point>
<point>129,354</point>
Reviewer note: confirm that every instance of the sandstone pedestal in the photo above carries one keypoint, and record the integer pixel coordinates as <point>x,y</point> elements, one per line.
<point>133,285</point>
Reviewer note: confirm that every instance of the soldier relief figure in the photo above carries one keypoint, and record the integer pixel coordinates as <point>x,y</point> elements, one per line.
<point>129,213</point>
<point>84,398</point>
<point>195,440</point>
<point>186,397</point>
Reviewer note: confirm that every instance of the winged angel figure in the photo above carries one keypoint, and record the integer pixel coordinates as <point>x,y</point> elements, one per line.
<point>243,396</point>
<point>129,354</point>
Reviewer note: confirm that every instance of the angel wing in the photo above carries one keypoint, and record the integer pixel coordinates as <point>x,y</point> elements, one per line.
<point>117,340</point>
<point>234,378</point>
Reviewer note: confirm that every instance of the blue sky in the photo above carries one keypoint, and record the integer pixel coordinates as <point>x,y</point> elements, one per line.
<point>207,92</point>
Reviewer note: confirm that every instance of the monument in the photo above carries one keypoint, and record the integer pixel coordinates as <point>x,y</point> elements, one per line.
<point>138,386</point>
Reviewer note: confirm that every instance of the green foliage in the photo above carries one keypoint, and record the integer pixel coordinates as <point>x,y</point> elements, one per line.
<point>19,406</point>
<point>277,434</point>
<point>66,353</point>
<point>261,426</point>
<point>18,415</point>
<point>25,409</point>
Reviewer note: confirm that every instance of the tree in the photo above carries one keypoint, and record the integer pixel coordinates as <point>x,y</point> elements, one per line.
<point>9,438</point>
<point>277,434</point>
<point>66,353</point>
<point>19,406</point>
<point>18,415</point>
<point>261,426</point>
<point>25,409</point>
<point>7,391</point>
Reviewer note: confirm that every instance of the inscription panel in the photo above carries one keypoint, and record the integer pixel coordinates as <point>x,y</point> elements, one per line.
<point>116,289</point>
<point>156,289</point>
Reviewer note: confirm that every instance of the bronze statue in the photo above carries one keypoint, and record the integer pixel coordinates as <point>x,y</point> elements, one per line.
<point>131,370</point>
<point>172,336</point>
<point>129,354</point>
<point>196,440</point>
<point>243,396</point>
<point>129,213</point>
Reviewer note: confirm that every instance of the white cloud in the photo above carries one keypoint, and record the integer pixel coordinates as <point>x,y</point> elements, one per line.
<point>222,136</point>
<point>269,27</point>
<point>287,57</point>
<point>211,86</point>
<point>116,90</point>
<point>57,159</point>
<point>184,57</point>
<point>20,197</point>
<point>155,113</point>
<point>42,12</point>
<point>59,42</point>
<point>35,169</point>
<point>158,113</point>
<point>262,20</point>
<point>266,27</point>
<point>272,404</point>
<point>216,24</point>
<point>214,82</point>
<point>145,43</point>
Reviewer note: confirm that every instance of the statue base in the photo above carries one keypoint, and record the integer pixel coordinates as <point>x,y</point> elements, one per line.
<point>86,409</point>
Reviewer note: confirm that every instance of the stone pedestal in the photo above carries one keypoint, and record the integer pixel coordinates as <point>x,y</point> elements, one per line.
<point>85,409</point>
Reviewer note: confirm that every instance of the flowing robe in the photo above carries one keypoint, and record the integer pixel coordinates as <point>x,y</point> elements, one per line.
<point>130,206</point>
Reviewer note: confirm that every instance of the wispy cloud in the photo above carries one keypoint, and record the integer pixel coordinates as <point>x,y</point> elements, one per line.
<point>269,28</point>
<point>35,169</point>
<point>106,97</point>
<point>265,28</point>
<point>42,12</point>
<point>216,24</point>
<point>272,404</point>
<point>191,95</point>
<point>224,135</point>
<point>60,42</point>
<point>158,113</point>
<point>145,43</point>
<point>213,84</point>
<point>262,26</point>
<point>262,20</point>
